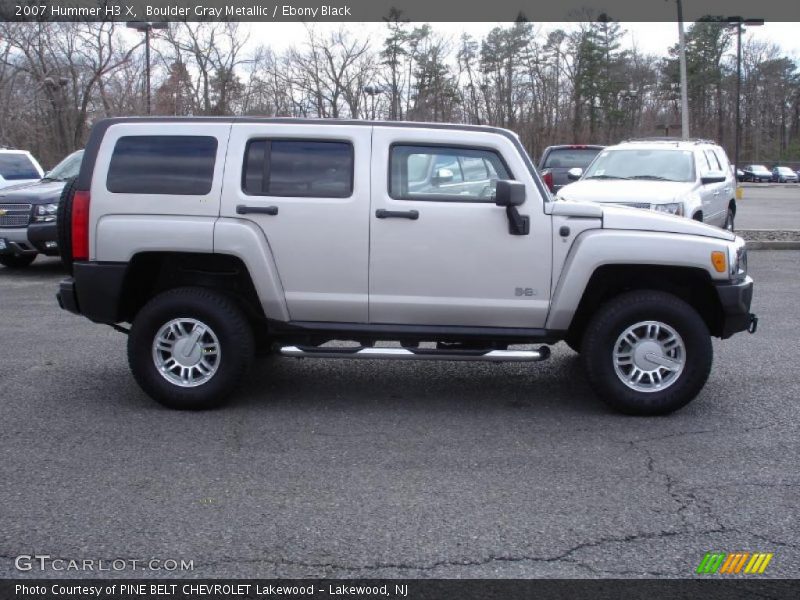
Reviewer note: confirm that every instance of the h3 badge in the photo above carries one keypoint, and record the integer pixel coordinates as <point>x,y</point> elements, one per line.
<point>524,291</point>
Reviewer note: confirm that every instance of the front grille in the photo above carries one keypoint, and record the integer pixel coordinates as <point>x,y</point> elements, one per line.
<point>15,215</point>
<point>635,204</point>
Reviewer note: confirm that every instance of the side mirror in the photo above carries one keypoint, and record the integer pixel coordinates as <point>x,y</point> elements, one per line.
<point>442,176</point>
<point>509,193</point>
<point>712,179</point>
<point>574,173</point>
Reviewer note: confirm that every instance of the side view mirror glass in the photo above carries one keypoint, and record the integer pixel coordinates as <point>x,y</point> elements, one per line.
<point>574,173</point>
<point>442,176</point>
<point>509,193</point>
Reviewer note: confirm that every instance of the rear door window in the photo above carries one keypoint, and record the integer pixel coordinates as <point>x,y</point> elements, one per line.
<point>163,164</point>
<point>298,168</point>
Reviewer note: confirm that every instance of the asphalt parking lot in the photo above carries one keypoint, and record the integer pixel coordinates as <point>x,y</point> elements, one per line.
<point>382,469</point>
<point>769,206</point>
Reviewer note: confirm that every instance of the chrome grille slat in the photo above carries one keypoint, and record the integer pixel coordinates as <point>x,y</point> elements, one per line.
<point>16,215</point>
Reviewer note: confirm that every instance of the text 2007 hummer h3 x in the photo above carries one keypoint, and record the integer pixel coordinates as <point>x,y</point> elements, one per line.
<point>217,238</point>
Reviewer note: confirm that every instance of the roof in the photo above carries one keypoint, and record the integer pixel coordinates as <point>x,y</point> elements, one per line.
<point>661,141</point>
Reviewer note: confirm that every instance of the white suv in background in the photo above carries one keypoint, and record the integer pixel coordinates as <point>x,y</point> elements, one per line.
<point>689,178</point>
<point>18,167</point>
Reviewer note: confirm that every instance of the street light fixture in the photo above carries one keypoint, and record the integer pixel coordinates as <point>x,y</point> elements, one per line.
<point>146,27</point>
<point>739,23</point>
<point>372,91</point>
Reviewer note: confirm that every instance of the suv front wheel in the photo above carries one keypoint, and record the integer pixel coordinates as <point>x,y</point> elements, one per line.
<point>190,347</point>
<point>647,352</point>
<point>16,261</point>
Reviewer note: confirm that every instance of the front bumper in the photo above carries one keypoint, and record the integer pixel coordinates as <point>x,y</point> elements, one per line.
<point>36,238</point>
<point>17,241</point>
<point>735,299</point>
<point>44,237</point>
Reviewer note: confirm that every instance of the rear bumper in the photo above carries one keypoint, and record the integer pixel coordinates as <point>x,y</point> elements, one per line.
<point>94,291</point>
<point>735,299</point>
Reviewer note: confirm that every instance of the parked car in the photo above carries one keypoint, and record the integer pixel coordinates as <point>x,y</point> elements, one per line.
<point>784,175</point>
<point>18,167</point>
<point>28,215</point>
<point>756,173</point>
<point>688,178</point>
<point>215,237</point>
<point>556,162</point>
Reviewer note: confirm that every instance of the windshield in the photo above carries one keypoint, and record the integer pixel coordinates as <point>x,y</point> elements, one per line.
<point>67,168</point>
<point>786,170</point>
<point>759,168</point>
<point>569,158</point>
<point>662,165</point>
<point>14,166</point>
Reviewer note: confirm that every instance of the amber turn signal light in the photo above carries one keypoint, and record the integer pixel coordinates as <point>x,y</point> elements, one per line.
<point>719,261</point>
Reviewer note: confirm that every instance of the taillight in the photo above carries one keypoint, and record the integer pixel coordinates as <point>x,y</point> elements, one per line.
<point>547,177</point>
<point>80,225</point>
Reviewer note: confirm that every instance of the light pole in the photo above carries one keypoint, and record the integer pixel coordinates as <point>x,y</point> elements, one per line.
<point>739,23</point>
<point>146,27</point>
<point>684,84</point>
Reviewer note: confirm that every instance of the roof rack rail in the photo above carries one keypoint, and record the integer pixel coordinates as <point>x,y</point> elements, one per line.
<point>671,139</point>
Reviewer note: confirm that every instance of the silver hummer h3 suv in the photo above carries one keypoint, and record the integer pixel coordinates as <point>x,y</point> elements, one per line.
<point>215,238</point>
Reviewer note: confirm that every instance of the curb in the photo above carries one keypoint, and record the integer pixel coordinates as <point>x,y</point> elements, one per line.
<point>773,244</point>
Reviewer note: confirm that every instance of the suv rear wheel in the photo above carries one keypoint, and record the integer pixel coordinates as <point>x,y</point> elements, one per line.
<point>190,347</point>
<point>647,352</point>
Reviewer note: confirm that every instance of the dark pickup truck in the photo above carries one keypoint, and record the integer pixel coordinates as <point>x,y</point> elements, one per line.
<point>556,162</point>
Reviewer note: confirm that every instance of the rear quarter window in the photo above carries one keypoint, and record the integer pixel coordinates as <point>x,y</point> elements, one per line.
<point>163,164</point>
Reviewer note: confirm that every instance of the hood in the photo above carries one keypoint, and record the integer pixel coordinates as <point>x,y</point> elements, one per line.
<point>15,183</point>
<point>41,192</point>
<point>636,219</point>
<point>621,190</point>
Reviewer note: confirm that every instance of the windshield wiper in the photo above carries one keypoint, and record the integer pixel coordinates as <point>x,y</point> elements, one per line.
<point>606,177</point>
<point>653,177</point>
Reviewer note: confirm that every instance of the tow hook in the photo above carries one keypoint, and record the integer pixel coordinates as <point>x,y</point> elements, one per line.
<point>753,325</point>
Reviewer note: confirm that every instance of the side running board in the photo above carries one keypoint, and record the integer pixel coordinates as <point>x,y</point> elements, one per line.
<point>370,353</point>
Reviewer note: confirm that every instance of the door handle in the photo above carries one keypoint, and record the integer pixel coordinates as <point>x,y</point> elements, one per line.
<point>382,213</point>
<point>243,209</point>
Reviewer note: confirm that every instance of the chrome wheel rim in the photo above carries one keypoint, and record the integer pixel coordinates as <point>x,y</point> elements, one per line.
<point>649,356</point>
<point>186,352</point>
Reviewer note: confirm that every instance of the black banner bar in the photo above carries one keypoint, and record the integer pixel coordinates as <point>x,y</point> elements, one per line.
<point>378,10</point>
<point>398,589</point>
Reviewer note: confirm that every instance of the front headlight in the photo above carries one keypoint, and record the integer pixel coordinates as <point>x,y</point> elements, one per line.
<point>738,260</point>
<point>45,213</point>
<point>675,208</point>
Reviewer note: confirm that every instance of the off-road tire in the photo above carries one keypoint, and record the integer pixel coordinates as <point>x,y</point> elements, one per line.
<point>625,310</point>
<point>64,223</point>
<point>224,317</point>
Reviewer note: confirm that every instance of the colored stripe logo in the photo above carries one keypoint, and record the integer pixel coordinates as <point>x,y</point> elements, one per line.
<point>734,563</point>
